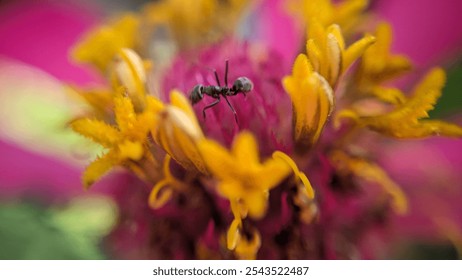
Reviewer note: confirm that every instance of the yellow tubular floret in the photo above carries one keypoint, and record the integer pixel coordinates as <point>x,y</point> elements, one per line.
<point>312,102</point>
<point>240,174</point>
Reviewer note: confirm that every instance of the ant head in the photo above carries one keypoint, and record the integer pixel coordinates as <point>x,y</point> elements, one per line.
<point>242,84</point>
<point>196,94</point>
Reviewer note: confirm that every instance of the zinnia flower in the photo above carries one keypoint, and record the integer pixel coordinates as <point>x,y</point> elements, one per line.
<point>283,169</point>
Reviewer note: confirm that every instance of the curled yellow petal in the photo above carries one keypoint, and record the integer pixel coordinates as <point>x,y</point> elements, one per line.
<point>238,209</point>
<point>233,236</point>
<point>160,194</point>
<point>163,190</point>
<point>300,175</point>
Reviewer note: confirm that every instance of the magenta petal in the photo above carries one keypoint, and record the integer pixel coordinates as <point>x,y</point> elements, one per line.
<point>26,173</point>
<point>279,31</point>
<point>430,173</point>
<point>427,31</point>
<point>41,33</point>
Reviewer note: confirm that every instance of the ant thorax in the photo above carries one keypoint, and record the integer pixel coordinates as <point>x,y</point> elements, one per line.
<point>215,91</point>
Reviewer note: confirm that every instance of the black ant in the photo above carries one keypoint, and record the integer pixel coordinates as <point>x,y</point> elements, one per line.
<point>241,85</point>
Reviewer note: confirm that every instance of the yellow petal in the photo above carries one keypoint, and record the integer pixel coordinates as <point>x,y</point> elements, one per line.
<point>347,11</point>
<point>404,121</point>
<point>349,114</point>
<point>356,50</point>
<point>335,30</point>
<point>424,98</point>
<point>316,56</point>
<point>245,150</point>
<point>335,59</point>
<point>177,134</point>
<point>195,23</point>
<point>433,128</point>
<point>98,168</point>
<point>99,99</point>
<point>372,172</point>
<point>302,67</point>
<point>219,161</point>
<point>272,173</point>
<point>101,44</point>
<point>130,73</point>
<point>312,100</point>
<point>153,104</point>
<point>426,94</point>
<point>130,150</point>
<point>317,33</point>
<point>124,112</point>
<point>179,100</point>
<point>390,95</point>
<point>379,53</point>
<point>378,64</point>
<point>257,203</point>
<point>188,146</point>
<point>98,131</point>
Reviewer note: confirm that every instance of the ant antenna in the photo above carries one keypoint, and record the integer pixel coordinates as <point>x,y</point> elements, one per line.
<point>226,74</point>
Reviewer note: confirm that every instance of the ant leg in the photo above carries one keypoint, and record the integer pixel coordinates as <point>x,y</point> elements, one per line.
<point>232,109</point>
<point>210,106</point>
<point>226,74</point>
<point>216,77</point>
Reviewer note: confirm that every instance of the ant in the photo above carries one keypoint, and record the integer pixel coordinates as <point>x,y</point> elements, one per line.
<point>241,85</point>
